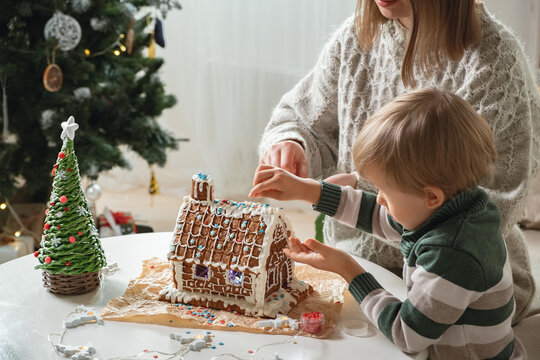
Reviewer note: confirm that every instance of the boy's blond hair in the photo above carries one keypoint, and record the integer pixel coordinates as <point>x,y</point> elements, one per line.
<point>427,137</point>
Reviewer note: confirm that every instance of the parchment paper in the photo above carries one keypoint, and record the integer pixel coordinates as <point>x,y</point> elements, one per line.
<point>140,303</point>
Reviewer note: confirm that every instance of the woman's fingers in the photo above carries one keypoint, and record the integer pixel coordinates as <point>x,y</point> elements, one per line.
<point>288,160</point>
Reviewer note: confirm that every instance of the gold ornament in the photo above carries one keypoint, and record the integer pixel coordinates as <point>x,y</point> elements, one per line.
<point>152,47</point>
<point>154,186</point>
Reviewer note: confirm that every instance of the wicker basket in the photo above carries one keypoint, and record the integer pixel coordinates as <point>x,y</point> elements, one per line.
<point>71,284</point>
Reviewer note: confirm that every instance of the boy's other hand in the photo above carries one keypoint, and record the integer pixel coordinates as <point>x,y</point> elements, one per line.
<point>288,155</point>
<point>279,184</point>
<point>323,257</point>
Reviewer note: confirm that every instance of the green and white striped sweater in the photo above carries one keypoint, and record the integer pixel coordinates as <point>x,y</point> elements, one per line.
<point>460,299</point>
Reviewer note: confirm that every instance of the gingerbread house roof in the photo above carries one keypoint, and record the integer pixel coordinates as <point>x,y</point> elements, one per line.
<point>223,233</point>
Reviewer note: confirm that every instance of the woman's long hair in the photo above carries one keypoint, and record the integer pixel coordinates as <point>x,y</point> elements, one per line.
<point>441,28</point>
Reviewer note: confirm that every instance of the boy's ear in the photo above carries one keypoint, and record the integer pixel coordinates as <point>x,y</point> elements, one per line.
<point>433,196</point>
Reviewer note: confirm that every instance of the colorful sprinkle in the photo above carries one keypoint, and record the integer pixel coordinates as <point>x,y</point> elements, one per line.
<point>198,254</point>
<point>36,253</point>
<point>48,259</point>
<point>68,169</point>
<point>246,248</point>
<point>230,325</point>
<point>261,231</point>
<point>199,217</point>
<point>220,343</point>
<point>192,241</point>
<point>212,233</point>
<point>59,226</point>
<point>201,247</point>
<point>72,239</point>
<point>63,199</point>
<point>234,258</point>
<point>61,155</point>
<point>219,246</point>
<point>68,263</point>
<point>226,221</point>
<point>231,236</point>
<point>47,226</point>
<point>188,332</point>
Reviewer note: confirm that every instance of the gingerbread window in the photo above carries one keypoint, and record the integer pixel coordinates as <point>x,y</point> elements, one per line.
<point>201,272</point>
<point>236,277</point>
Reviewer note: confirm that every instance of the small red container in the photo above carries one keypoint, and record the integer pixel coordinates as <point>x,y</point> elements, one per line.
<point>312,322</point>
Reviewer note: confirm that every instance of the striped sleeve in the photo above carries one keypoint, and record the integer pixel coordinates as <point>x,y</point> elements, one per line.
<point>358,209</point>
<point>442,290</point>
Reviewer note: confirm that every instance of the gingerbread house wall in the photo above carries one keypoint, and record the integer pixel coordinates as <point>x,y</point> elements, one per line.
<point>217,282</point>
<point>279,268</point>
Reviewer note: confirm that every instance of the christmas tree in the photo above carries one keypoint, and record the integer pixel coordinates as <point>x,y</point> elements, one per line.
<point>70,242</point>
<point>84,57</point>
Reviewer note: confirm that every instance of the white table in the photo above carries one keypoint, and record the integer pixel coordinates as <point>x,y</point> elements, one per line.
<point>28,313</point>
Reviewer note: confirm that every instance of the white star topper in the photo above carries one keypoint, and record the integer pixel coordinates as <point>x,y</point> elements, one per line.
<point>68,128</point>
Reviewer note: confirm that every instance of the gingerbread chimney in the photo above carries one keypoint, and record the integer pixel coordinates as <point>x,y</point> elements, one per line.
<point>202,187</point>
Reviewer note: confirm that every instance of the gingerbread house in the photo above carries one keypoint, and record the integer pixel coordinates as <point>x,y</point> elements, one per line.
<point>229,255</point>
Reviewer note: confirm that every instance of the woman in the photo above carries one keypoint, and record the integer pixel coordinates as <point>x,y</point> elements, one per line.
<point>386,49</point>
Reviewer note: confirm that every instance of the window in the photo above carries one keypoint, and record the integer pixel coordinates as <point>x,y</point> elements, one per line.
<point>201,272</point>
<point>236,277</point>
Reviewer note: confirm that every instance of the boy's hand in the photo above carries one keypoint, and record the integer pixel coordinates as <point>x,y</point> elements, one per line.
<point>323,257</point>
<point>276,183</point>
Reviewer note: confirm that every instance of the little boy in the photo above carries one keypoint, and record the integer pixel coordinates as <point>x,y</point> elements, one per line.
<point>426,152</point>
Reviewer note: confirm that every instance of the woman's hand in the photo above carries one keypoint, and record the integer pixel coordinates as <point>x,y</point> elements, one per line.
<point>288,155</point>
<point>323,257</point>
<point>276,183</point>
<point>343,179</point>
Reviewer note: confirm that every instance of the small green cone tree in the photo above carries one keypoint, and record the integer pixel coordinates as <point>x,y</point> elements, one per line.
<point>70,241</point>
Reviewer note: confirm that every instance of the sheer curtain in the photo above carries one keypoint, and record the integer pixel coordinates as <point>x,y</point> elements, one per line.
<point>228,62</point>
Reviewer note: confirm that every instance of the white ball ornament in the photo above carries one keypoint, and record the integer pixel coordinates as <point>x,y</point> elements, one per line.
<point>65,29</point>
<point>93,192</point>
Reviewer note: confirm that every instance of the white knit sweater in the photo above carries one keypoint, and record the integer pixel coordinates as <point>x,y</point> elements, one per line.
<point>327,108</point>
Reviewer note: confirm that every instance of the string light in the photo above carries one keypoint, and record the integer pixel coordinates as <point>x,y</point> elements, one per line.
<point>123,48</point>
<point>17,233</point>
<point>116,52</point>
<point>87,52</point>
<point>3,206</point>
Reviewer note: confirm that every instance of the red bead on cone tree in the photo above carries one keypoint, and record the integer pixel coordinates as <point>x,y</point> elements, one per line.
<point>71,255</point>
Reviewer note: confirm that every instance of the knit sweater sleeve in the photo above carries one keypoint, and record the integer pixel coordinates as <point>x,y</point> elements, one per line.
<point>498,84</point>
<point>441,291</point>
<point>308,113</point>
